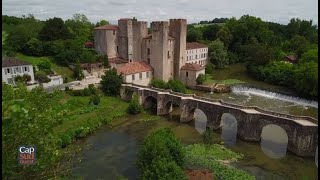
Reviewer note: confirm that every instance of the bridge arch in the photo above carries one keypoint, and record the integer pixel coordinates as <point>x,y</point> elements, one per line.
<point>150,103</point>
<point>229,128</point>
<point>127,94</point>
<point>200,120</point>
<point>274,141</point>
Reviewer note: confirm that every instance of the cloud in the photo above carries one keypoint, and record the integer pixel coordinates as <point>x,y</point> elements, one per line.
<point>280,11</point>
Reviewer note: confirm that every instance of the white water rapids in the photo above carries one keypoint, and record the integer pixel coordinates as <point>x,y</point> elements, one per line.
<point>272,95</point>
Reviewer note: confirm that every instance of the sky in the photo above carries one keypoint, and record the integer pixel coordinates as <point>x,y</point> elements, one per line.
<point>280,11</point>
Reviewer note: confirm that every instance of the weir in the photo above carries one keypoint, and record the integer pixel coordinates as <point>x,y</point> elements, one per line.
<point>302,131</point>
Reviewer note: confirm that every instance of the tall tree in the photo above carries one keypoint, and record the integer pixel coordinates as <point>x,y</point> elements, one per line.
<point>218,54</point>
<point>54,29</point>
<point>80,27</point>
<point>225,36</point>
<point>101,23</point>
<point>111,82</point>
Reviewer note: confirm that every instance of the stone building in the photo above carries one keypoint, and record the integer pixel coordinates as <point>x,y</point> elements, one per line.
<point>190,72</point>
<point>164,49</point>
<point>138,72</point>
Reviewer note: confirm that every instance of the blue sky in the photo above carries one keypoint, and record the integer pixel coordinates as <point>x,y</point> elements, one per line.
<point>280,11</point>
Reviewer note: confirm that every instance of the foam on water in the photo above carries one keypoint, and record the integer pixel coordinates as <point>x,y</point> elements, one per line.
<point>272,95</point>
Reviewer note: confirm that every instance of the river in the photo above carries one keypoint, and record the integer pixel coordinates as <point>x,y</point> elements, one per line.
<point>111,152</point>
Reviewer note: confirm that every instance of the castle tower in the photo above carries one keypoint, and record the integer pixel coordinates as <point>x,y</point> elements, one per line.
<point>178,30</point>
<point>159,50</point>
<point>125,39</point>
<point>140,30</point>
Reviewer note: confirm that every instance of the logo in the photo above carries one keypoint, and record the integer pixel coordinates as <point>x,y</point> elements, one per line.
<point>27,155</point>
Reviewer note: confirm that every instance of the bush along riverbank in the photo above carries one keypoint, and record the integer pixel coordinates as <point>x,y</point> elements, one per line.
<point>162,156</point>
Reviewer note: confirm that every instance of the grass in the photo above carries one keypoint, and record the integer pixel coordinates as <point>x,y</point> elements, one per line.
<point>210,81</point>
<point>209,157</point>
<point>61,70</point>
<point>202,25</point>
<point>81,114</point>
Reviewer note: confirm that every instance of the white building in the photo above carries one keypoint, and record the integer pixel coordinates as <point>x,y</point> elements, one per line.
<point>197,53</point>
<point>12,67</point>
<point>136,72</point>
<point>54,81</point>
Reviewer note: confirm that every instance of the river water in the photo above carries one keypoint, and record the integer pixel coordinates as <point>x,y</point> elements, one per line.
<point>111,152</point>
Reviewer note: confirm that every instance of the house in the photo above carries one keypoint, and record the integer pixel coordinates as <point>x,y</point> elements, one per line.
<point>189,74</point>
<point>291,59</point>
<point>137,72</point>
<point>197,53</point>
<point>12,67</point>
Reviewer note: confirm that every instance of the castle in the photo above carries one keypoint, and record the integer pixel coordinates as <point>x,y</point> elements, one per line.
<point>164,51</point>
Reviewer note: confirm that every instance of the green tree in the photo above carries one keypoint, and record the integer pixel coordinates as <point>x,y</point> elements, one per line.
<point>4,37</point>
<point>80,27</point>
<point>94,99</point>
<point>298,44</point>
<point>161,148</point>
<point>101,23</point>
<point>201,78</point>
<point>306,79</point>
<point>54,29</point>
<point>210,32</point>
<point>111,82</point>
<point>193,35</point>
<point>218,55</point>
<point>106,61</point>
<point>44,65</point>
<point>225,36</point>
<point>310,55</point>
<point>134,106</point>
<point>38,111</point>
<point>207,137</point>
<point>157,83</point>
<point>78,73</point>
<point>34,47</point>
<point>209,68</point>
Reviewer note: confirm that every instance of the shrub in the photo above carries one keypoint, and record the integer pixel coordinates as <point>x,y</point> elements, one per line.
<point>19,79</point>
<point>86,92</point>
<point>65,80</point>
<point>201,78</point>
<point>42,77</point>
<point>26,77</point>
<point>157,83</point>
<point>65,140</point>
<point>161,145</point>
<point>94,99</point>
<point>44,65</point>
<point>93,89</point>
<point>210,68</point>
<point>177,86</point>
<point>134,106</point>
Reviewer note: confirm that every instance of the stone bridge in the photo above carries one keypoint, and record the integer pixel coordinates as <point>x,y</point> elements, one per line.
<point>302,131</point>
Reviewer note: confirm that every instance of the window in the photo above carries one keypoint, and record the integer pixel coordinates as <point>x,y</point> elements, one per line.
<point>148,51</point>
<point>187,74</point>
<point>149,41</point>
<point>25,69</point>
<point>187,58</point>
<point>196,56</point>
<point>8,70</point>
<point>28,68</point>
<point>147,74</point>
<point>168,54</point>
<point>140,76</point>
<point>133,77</point>
<point>114,32</point>
<point>148,59</point>
<point>117,49</point>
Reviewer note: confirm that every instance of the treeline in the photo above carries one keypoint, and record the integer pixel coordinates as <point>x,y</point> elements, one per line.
<point>64,40</point>
<point>263,44</point>
<point>215,20</point>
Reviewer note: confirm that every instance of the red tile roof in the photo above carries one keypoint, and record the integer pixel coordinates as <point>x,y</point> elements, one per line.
<point>192,67</point>
<point>12,61</point>
<point>117,60</point>
<point>107,27</point>
<point>291,58</point>
<point>134,67</point>
<point>149,36</point>
<point>195,45</point>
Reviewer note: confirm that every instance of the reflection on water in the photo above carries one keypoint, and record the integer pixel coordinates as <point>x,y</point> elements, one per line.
<point>110,153</point>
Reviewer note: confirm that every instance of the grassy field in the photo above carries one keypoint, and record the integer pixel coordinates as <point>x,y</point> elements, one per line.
<point>82,115</point>
<point>202,25</point>
<point>210,81</point>
<point>61,70</point>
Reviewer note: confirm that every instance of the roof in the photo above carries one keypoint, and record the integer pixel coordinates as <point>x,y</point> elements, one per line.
<point>134,67</point>
<point>12,61</point>
<point>107,27</point>
<point>192,67</point>
<point>291,58</point>
<point>195,45</point>
<point>149,36</point>
<point>117,60</point>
